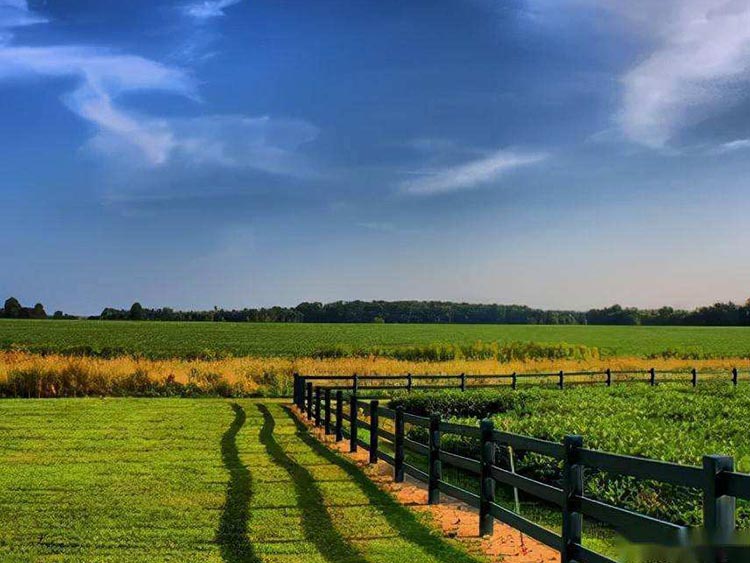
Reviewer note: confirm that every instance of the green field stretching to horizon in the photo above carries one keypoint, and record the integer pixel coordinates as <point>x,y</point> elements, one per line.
<point>176,339</point>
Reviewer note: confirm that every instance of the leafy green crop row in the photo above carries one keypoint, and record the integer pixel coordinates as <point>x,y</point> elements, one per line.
<point>669,422</point>
<point>436,352</point>
<point>198,339</point>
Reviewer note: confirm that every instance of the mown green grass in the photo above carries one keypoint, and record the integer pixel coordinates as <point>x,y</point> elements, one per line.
<point>163,339</point>
<point>190,480</point>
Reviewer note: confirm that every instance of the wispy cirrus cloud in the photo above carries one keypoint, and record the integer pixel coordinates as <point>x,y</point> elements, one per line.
<point>732,146</point>
<point>209,9</point>
<point>470,175</point>
<point>14,14</point>
<point>701,54</point>
<point>103,76</point>
<point>235,142</point>
<point>197,45</point>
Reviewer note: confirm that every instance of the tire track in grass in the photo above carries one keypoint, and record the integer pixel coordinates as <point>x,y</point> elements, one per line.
<point>400,518</point>
<point>232,532</point>
<point>318,527</point>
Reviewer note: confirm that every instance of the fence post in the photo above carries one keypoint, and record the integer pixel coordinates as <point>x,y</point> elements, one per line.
<point>572,527</point>
<point>318,419</point>
<point>409,382</point>
<point>734,377</point>
<point>353,421</point>
<point>339,415</point>
<point>694,373</point>
<point>652,371</point>
<point>435,465</point>
<point>513,381</point>
<point>295,390</point>
<point>374,423</point>
<point>302,386</point>
<point>309,400</point>
<point>327,423</point>
<point>718,507</point>
<point>609,377</point>
<point>486,482</point>
<point>561,382</point>
<point>463,382</point>
<point>355,384</point>
<point>398,457</point>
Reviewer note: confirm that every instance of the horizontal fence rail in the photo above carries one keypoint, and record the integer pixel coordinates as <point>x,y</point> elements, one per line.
<point>560,379</point>
<point>717,481</point>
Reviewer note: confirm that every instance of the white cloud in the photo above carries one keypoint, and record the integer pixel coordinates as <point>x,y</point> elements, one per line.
<point>209,8</point>
<point>731,146</point>
<point>470,174</point>
<point>103,76</point>
<point>229,141</point>
<point>702,51</point>
<point>128,137</point>
<point>15,13</point>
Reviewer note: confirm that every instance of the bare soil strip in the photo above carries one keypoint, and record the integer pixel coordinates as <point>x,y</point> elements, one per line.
<point>456,519</point>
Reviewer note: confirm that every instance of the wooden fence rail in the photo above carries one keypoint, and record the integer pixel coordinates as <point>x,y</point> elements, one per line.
<point>356,383</point>
<point>716,480</point>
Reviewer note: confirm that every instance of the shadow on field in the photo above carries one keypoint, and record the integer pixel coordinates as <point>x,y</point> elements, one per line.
<point>400,518</point>
<point>317,525</point>
<point>232,533</point>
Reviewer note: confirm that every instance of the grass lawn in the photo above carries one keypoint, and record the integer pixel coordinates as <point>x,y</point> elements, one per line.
<point>205,480</point>
<point>164,339</point>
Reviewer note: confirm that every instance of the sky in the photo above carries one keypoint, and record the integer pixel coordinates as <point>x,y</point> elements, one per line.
<point>241,153</point>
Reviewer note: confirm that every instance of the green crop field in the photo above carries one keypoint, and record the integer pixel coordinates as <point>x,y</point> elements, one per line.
<point>671,422</point>
<point>116,480</point>
<point>181,339</point>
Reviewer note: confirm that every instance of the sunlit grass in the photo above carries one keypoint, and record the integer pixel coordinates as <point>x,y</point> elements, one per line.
<point>190,480</point>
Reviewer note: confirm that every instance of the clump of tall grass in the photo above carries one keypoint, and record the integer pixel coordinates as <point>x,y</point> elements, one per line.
<point>78,379</point>
<point>690,353</point>
<point>440,352</point>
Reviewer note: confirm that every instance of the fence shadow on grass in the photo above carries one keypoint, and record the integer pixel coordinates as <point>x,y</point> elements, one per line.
<point>317,525</point>
<point>232,533</point>
<point>400,518</point>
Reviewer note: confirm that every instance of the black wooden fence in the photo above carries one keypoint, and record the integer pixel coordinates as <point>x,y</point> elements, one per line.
<point>720,486</point>
<point>607,377</point>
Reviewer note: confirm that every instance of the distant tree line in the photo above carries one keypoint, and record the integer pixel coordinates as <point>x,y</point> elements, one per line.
<point>445,312</point>
<point>12,309</point>
<point>720,314</point>
<point>140,313</point>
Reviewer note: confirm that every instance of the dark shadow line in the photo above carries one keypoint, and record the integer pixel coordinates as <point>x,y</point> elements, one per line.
<point>317,525</point>
<point>232,533</point>
<point>398,516</point>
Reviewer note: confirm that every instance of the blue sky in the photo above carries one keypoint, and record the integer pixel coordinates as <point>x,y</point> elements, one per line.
<point>557,153</point>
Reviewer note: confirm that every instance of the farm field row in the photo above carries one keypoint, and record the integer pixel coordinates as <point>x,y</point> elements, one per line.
<point>120,480</point>
<point>669,422</point>
<point>179,339</point>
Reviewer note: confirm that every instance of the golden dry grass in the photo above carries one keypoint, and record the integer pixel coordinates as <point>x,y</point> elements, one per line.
<point>273,375</point>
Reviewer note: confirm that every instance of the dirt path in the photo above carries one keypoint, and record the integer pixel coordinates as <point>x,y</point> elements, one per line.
<point>306,503</point>
<point>454,518</point>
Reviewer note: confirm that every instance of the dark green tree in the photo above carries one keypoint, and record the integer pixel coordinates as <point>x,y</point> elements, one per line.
<point>136,312</point>
<point>38,312</point>
<point>12,308</point>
